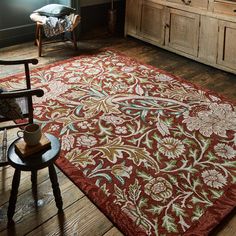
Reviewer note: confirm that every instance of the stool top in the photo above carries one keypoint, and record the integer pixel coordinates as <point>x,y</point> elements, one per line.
<point>35,161</point>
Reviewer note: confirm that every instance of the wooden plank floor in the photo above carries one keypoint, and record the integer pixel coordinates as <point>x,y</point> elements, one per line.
<point>80,216</point>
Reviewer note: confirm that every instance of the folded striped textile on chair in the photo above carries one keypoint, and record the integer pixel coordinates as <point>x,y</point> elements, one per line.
<point>54,26</point>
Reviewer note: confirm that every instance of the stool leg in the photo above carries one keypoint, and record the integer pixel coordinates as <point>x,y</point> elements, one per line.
<point>13,197</point>
<point>34,186</point>
<point>55,187</point>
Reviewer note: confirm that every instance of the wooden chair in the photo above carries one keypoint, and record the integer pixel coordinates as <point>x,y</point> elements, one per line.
<point>25,97</point>
<point>38,19</point>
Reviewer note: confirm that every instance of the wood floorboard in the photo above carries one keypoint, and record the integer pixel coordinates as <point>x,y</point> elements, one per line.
<point>81,217</point>
<point>24,184</point>
<point>29,217</point>
<point>113,232</point>
<point>88,221</point>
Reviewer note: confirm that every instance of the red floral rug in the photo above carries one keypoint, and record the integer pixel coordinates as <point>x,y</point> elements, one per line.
<point>155,153</point>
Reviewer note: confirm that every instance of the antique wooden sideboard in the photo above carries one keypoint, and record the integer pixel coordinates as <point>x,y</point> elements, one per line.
<point>203,30</point>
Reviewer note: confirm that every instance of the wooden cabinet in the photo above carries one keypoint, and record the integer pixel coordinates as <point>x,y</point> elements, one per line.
<point>227,45</point>
<point>152,21</point>
<point>182,31</point>
<point>203,30</point>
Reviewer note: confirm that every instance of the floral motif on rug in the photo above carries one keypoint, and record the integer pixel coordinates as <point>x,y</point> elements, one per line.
<point>155,153</point>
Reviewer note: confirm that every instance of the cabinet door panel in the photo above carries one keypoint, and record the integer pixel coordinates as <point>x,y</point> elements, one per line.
<point>132,15</point>
<point>208,39</point>
<point>182,31</point>
<point>152,21</point>
<point>227,46</point>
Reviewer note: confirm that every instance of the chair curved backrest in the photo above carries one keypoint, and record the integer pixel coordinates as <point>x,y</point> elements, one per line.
<point>21,98</point>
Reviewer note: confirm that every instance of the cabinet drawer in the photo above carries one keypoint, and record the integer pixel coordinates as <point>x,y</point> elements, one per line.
<point>192,3</point>
<point>228,7</point>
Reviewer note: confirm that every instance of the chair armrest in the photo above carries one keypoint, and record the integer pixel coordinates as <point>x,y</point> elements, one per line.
<point>22,93</point>
<point>33,61</point>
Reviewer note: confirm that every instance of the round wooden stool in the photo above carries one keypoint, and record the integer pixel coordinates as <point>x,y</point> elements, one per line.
<point>33,163</point>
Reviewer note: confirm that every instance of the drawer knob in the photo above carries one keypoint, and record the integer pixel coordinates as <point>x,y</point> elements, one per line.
<point>186,2</point>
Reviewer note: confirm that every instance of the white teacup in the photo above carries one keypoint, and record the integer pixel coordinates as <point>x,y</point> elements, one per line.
<point>31,134</point>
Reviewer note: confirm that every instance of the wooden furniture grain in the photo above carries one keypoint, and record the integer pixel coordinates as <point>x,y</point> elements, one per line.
<point>34,163</point>
<point>203,30</point>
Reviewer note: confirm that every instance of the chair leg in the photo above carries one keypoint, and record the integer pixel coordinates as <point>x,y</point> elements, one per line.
<point>40,41</point>
<point>74,39</point>
<point>38,38</point>
<point>36,35</point>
